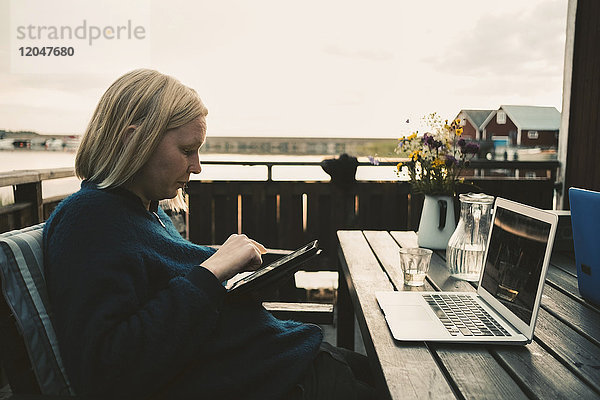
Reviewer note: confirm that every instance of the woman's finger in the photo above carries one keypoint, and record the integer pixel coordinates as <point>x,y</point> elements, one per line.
<point>259,246</point>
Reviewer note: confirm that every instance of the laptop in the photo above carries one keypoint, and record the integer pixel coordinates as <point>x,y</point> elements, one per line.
<point>585,220</point>
<point>504,309</point>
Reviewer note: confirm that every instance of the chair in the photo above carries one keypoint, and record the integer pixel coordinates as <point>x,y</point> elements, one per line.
<point>30,353</point>
<point>28,345</point>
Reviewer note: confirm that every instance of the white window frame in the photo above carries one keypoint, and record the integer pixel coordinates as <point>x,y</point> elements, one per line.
<point>533,135</point>
<point>501,118</point>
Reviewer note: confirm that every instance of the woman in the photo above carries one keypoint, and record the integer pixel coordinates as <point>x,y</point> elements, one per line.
<point>141,312</point>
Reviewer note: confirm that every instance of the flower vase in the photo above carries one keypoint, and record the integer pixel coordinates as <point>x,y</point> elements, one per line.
<point>437,222</point>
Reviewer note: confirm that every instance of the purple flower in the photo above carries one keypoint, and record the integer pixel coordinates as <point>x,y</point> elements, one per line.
<point>471,148</point>
<point>451,161</point>
<point>373,160</point>
<point>461,143</point>
<point>430,141</point>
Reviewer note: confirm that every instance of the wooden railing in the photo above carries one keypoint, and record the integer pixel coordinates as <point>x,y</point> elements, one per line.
<point>289,214</point>
<point>284,214</point>
<point>29,207</point>
<point>476,167</point>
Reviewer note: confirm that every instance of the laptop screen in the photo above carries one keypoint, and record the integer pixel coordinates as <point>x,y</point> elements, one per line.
<point>514,261</point>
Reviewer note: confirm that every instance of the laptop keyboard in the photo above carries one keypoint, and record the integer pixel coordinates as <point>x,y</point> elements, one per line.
<point>461,314</point>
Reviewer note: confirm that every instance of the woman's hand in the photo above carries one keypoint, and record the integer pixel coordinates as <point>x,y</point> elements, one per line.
<point>239,253</point>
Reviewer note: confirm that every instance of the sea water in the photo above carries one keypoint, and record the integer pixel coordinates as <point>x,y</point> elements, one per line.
<point>465,262</point>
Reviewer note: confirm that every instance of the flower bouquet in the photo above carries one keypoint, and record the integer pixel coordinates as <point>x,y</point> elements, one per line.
<point>437,158</point>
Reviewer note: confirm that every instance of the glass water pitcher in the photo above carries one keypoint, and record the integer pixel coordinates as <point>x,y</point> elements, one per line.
<point>466,247</point>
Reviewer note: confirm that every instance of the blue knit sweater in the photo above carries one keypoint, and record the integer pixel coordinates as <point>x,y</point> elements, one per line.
<point>137,316</point>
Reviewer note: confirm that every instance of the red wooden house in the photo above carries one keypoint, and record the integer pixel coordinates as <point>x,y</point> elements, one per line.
<point>527,126</point>
<point>472,122</point>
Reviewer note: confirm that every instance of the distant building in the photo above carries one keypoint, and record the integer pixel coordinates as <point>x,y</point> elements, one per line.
<point>472,122</point>
<point>297,145</point>
<point>527,126</point>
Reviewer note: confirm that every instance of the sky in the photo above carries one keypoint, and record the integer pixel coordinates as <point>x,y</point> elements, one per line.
<point>311,68</point>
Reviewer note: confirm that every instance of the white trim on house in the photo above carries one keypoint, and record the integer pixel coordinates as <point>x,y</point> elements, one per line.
<point>465,116</point>
<point>563,138</point>
<point>487,121</point>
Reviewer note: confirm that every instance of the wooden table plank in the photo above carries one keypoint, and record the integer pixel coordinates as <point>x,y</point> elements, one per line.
<point>565,261</point>
<point>472,370</point>
<point>576,352</point>
<point>344,309</point>
<point>540,374</point>
<point>405,238</point>
<point>565,281</point>
<point>582,319</point>
<point>408,371</point>
<point>567,284</point>
<point>476,373</point>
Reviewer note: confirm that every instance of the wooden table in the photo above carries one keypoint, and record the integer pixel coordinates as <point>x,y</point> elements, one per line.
<point>562,362</point>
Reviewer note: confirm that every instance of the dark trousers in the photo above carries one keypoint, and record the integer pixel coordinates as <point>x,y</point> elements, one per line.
<point>336,373</point>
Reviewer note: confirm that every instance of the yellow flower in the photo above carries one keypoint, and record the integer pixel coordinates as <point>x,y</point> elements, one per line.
<point>415,155</point>
<point>411,137</point>
<point>459,131</point>
<point>399,166</point>
<point>438,162</point>
<point>457,121</point>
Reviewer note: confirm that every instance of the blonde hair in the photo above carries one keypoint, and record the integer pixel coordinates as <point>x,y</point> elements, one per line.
<point>110,154</point>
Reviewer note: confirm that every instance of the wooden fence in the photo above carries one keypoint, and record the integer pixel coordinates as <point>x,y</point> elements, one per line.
<point>284,214</point>
<point>289,214</point>
<point>29,207</point>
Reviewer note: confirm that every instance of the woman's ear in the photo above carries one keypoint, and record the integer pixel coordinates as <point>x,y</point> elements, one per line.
<point>128,133</point>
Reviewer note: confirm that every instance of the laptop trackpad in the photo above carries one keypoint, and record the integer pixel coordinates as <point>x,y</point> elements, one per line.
<point>408,313</point>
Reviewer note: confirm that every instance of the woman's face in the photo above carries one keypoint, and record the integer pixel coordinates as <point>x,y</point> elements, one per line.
<point>171,164</point>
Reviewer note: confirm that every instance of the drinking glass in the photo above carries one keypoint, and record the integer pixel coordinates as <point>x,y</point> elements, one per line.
<point>415,264</point>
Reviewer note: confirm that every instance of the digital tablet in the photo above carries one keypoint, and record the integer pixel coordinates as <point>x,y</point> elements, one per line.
<point>280,269</point>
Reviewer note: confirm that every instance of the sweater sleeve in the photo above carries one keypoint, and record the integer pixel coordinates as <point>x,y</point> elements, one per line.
<point>118,334</point>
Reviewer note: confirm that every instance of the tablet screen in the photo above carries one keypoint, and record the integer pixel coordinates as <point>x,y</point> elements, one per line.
<point>283,264</point>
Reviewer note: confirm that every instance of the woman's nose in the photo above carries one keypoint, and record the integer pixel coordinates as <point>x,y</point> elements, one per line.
<point>195,166</point>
